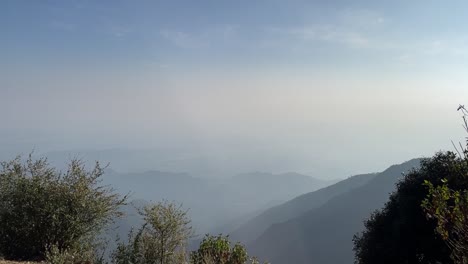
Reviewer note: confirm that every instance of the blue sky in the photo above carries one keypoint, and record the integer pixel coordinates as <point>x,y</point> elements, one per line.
<point>297,80</point>
<point>237,33</point>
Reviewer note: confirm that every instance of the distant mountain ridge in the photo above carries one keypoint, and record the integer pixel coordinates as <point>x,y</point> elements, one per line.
<point>324,235</point>
<point>295,207</point>
<point>215,204</point>
<point>177,159</point>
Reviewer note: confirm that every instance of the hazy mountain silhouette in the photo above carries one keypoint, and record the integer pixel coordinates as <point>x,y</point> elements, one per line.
<point>215,205</point>
<point>295,207</point>
<point>217,164</point>
<point>324,235</point>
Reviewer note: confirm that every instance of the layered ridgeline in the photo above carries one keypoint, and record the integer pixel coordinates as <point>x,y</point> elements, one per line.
<point>318,227</point>
<point>253,228</point>
<point>215,206</point>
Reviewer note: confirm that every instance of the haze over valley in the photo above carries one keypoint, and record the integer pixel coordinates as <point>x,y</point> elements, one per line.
<point>233,132</point>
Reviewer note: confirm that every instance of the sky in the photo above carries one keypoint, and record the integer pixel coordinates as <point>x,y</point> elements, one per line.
<point>330,88</point>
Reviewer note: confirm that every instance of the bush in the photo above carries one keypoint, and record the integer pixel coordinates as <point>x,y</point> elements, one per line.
<point>218,250</point>
<point>401,232</point>
<point>162,239</point>
<point>43,210</point>
<point>447,202</point>
<point>70,256</point>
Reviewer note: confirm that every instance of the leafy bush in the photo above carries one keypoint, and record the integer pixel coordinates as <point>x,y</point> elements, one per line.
<point>447,202</point>
<point>70,256</point>
<point>400,232</point>
<point>218,250</point>
<point>43,210</point>
<point>162,239</point>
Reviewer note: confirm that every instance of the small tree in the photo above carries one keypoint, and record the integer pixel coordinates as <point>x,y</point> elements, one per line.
<point>162,239</point>
<point>400,232</point>
<point>218,250</point>
<point>44,210</point>
<point>449,206</point>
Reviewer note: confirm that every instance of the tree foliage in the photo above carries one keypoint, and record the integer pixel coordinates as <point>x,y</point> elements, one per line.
<point>449,205</point>
<point>42,208</point>
<point>162,239</point>
<point>218,250</point>
<point>400,232</point>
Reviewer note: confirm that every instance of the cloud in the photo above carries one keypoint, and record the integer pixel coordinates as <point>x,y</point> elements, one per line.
<point>183,39</point>
<point>62,25</point>
<point>369,30</point>
<point>355,28</point>
<point>436,50</point>
<point>322,33</point>
<point>215,35</point>
<point>453,47</point>
<point>228,32</point>
<point>361,18</point>
<point>330,34</point>
<point>119,31</point>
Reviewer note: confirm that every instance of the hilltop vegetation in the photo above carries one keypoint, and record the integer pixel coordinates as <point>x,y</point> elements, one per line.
<point>43,210</point>
<point>40,202</point>
<point>414,212</point>
<point>59,218</point>
<point>400,232</point>
<point>324,234</point>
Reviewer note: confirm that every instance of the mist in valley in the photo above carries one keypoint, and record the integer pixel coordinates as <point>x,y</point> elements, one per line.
<point>284,125</point>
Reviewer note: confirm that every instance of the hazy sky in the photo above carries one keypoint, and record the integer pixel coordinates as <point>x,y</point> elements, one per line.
<point>334,87</point>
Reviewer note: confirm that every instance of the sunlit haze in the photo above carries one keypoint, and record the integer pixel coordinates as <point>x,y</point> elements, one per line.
<point>325,88</point>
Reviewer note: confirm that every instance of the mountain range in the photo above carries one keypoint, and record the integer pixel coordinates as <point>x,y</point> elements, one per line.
<point>323,235</point>
<point>215,205</point>
<point>281,218</point>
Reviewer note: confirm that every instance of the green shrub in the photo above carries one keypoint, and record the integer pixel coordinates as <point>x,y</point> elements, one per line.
<point>43,210</point>
<point>447,202</point>
<point>218,250</point>
<point>69,256</point>
<point>162,239</point>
